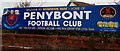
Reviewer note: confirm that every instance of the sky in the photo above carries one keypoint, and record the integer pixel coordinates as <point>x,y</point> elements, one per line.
<point>35,3</point>
<point>100,2</point>
<point>41,3</point>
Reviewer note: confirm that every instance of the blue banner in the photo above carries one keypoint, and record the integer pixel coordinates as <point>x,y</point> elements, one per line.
<point>77,18</point>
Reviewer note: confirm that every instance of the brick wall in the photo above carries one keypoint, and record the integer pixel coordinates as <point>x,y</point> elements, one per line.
<point>59,42</point>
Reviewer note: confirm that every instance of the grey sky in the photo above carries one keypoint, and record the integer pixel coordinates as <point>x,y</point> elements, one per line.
<point>12,3</point>
<point>34,3</point>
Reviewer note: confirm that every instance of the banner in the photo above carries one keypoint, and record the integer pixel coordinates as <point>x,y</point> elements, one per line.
<point>76,18</point>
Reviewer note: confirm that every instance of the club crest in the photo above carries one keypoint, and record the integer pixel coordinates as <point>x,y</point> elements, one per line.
<point>11,18</point>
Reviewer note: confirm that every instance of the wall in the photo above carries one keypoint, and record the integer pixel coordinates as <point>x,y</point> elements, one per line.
<point>59,42</point>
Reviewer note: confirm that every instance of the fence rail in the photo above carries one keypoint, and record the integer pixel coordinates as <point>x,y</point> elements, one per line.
<point>59,42</point>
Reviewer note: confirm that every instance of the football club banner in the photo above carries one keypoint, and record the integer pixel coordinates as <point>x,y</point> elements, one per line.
<point>103,18</point>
